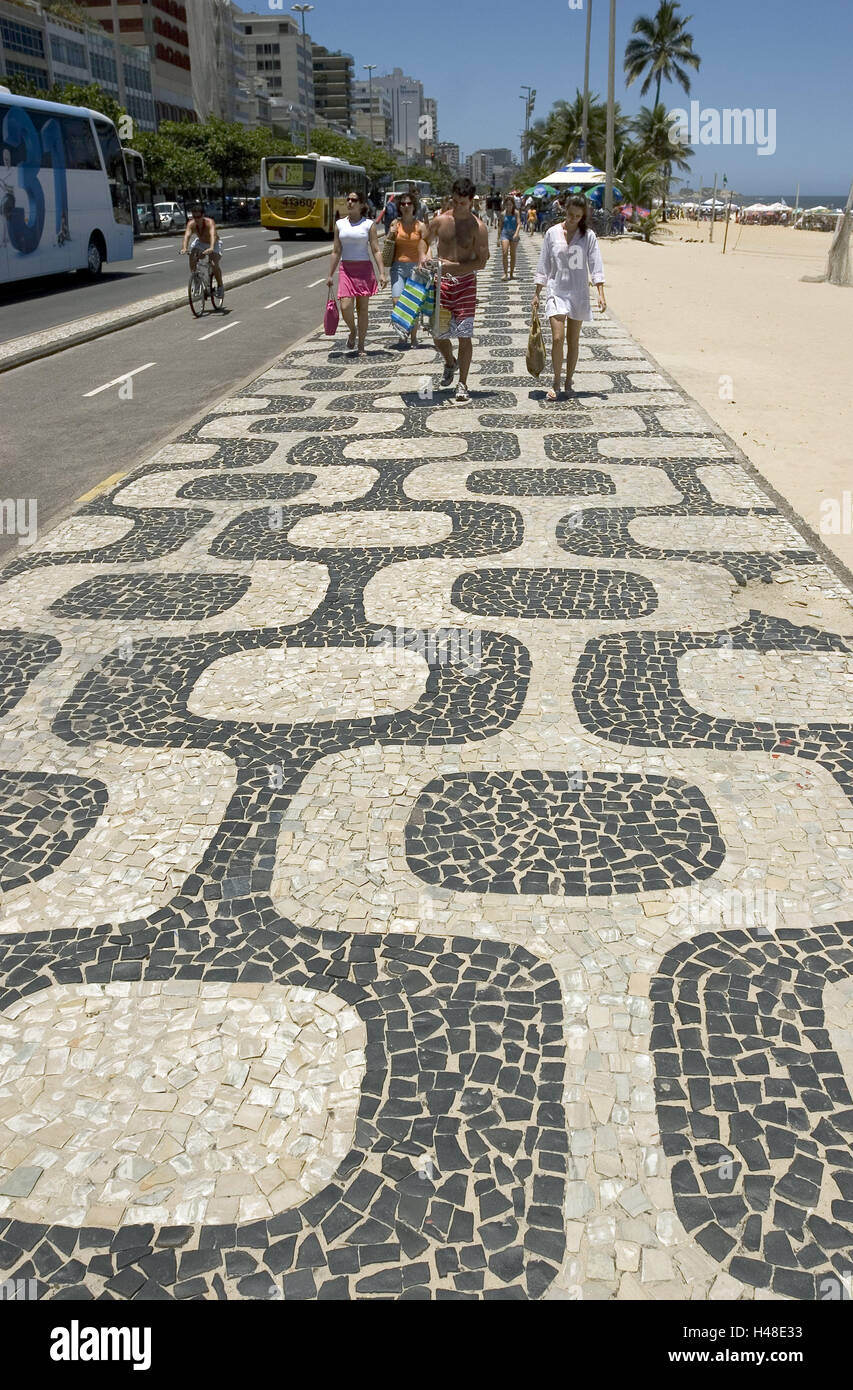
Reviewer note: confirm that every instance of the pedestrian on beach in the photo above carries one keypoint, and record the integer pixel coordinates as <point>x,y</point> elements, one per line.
<point>531,218</point>
<point>356,249</point>
<point>569,259</point>
<point>410,250</point>
<point>463,250</point>
<point>510,232</point>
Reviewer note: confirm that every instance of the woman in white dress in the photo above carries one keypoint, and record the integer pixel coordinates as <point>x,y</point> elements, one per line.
<point>569,259</point>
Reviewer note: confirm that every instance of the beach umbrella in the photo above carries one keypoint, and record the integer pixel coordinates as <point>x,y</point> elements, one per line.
<point>577,172</point>
<point>543,190</point>
<point>596,195</point>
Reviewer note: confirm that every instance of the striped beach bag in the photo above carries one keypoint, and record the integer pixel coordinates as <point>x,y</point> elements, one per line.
<point>409,306</point>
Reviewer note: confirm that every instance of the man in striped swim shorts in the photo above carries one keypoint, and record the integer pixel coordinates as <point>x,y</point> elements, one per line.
<point>463,249</point>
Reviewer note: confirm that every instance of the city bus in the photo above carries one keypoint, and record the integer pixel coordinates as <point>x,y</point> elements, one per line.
<point>65,198</point>
<point>418,186</point>
<point>307,192</point>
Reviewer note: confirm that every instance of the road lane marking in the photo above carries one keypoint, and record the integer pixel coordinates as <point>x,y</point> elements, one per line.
<point>242,246</point>
<point>149,264</point>
<point>219,330</point>
<point>276,302</point>
<point>119,380</point>
<point>314,284</point>
<point>101,487</point>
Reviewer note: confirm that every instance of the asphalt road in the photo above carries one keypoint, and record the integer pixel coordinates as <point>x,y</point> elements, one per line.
<point>59,441</point>
<point>28,306</point>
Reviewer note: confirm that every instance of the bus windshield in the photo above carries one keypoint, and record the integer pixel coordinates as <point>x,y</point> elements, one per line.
<point>291,173</point>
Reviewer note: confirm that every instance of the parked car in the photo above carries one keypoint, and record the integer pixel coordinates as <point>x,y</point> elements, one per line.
<point>146,218</point>
<point>171,216</point>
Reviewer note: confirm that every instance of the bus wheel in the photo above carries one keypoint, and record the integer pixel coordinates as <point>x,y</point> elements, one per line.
<point>284,233</point>
<point>95,256</point>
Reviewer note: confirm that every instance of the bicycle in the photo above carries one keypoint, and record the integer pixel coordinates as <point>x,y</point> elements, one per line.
<point>202,286</point>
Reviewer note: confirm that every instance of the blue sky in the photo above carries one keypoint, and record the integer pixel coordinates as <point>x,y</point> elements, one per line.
<point>473,56</point>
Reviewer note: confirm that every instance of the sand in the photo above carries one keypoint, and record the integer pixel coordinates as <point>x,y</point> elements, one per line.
<point>787,347</point>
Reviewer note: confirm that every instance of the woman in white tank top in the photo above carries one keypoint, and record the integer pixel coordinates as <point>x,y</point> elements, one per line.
<point>356,249</point>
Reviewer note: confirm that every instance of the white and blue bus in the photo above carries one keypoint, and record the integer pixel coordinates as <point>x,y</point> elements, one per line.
<point>65,198</point>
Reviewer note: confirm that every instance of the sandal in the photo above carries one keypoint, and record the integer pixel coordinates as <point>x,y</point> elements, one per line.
<point>552,394</point>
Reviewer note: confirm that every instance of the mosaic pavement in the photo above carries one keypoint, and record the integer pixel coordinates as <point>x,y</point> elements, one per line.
<point>427,852</point>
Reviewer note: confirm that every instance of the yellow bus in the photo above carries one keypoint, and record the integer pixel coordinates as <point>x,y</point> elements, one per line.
<point>307,192</point>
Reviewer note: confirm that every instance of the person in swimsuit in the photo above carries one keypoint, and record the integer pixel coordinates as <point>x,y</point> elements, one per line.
<point>510,232</point>
<point>201,236</point>
<point>463,250</point>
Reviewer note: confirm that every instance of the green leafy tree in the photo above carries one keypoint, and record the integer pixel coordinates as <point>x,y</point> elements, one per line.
<point>662,49</point>
<point>70,94</point>
<point>640,184</point>
<point>555,139</point>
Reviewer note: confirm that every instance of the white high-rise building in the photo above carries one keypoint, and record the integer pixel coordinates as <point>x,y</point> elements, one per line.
<point>407,104</point>
<point>217,53</point>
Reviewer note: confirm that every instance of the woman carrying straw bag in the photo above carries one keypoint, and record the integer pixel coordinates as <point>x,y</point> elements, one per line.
<point>356,249</point>
<point>569,259</point>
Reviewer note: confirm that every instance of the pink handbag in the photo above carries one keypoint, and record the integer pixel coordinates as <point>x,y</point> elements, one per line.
<point>331,318</point>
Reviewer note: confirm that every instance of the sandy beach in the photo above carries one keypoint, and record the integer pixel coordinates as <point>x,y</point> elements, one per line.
<point>786,346</point>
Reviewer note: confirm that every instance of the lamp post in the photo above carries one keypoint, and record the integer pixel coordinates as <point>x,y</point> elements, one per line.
<point>303,10</point>
<point>369,69</point>
<point>407,103</point>
<point>611,98</point>
<point>585,121</point>
<point>529,98</point>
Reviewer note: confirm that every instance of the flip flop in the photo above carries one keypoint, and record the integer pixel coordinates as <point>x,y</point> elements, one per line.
<point>551,395</point>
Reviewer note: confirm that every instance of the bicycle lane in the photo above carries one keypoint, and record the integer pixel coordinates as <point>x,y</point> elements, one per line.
<point>103,407</point>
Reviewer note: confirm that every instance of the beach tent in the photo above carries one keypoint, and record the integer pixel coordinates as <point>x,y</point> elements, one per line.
<point>578,172</point>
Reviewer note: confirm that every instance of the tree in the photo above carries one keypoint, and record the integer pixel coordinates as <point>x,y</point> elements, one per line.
<point>640,184</point>
<point>69,94</point>
<point>656,141</point>
<point>554,141</point>
<point>661,49</point>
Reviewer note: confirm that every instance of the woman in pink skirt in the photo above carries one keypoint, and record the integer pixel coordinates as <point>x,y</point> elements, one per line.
<point>357,250</point>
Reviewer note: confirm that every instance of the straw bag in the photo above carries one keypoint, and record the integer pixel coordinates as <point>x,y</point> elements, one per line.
<point>389,247</point>
<point>535,346</point>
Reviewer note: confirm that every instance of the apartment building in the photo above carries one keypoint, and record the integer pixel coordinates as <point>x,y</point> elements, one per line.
<point>374,124</point>
<point>160,26</point>
<point>277,56</point>
<point>48,50</point>
<point>333,83</point>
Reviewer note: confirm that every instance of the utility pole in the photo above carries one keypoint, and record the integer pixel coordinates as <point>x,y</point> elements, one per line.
<point>611,99</point>
<point>530,102</point>
<point>370,69</point>
<point>303,10</point>
<point>585,124</point>
<point>407,103</point>
<point>713,208</point>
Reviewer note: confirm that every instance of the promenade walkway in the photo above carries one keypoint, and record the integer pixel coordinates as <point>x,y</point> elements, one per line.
<point>426,852</point>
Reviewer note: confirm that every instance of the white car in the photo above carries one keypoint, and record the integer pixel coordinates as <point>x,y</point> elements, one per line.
<point>171,216</point>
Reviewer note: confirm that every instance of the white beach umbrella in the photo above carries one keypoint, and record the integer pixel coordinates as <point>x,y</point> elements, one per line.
<point>577,172</point>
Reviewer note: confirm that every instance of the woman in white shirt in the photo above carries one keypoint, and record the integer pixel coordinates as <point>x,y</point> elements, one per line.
<point>569,259</point>
<point>356,248</point>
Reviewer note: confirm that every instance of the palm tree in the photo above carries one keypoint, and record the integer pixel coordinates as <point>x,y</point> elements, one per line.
<point>661,49</point>
<point>555,140</point>
<point>657,141</point>
<point>640,184</point>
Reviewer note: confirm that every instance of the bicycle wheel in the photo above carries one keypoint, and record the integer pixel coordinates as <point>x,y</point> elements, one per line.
<point>196,294</point>
<point>217,295</point>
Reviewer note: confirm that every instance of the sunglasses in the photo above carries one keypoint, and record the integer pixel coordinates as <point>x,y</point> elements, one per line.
<point>353,200</point>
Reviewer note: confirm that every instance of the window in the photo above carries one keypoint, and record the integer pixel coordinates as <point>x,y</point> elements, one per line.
<point>73,55</point>
<point>21,39</point>
<point>104,69</point>
<point>116,172</point>
<point>80,149</point>
<point>36,75</point>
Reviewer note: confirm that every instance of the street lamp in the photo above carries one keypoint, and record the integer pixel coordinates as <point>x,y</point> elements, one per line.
<point>303,10</point>
<point>530,100</point>
<point>611,111</point>
<point>370,68</point>
<point>585,122</point>
<point>407,104</point>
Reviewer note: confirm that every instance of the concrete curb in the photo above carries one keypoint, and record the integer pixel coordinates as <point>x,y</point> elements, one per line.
<point>53,340</point>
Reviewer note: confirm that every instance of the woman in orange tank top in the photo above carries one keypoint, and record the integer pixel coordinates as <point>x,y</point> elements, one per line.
<point>410,250</point>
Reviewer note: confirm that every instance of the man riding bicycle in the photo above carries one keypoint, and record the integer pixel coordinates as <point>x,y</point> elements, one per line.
<point>201,236</point>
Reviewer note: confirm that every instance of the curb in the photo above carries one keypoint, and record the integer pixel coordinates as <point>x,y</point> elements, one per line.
<point>64,336</point>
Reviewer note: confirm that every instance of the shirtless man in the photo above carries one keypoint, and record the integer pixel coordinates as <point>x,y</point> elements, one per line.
<point>201,235</point>
<point>463,249</point>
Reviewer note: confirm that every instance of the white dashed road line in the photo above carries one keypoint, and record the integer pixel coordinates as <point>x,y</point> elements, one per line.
<point>242,246</point>
<point>219,330</point>
<point>315,283</point>
<point>119,380</point>
<point>276,302</point>
<point>150,264</point>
